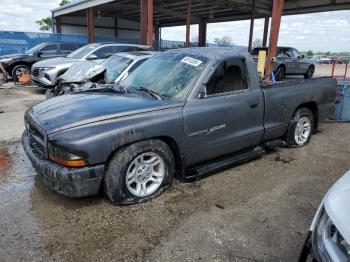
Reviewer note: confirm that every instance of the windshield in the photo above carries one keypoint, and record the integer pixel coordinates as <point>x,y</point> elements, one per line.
<point>82,51</point>
<point>115,66</point>
<point>169,74</point>
<point>34,49</point>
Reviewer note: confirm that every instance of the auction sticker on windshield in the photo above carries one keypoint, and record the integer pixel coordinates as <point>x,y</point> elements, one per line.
<point>191,61</point>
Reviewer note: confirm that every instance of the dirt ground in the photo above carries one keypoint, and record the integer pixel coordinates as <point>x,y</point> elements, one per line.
<point>259,211</point>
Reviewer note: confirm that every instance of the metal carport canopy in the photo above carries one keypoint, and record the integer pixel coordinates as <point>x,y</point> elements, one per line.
<point>173,12</point>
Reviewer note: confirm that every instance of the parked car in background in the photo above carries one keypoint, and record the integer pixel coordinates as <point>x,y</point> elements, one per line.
<point>18,63</point>
<point>289,62</point>
<point>45,73</point>
<point>325,60</point>
<point>88,74</point>
<point>328,238</point>
<point>183,113</point>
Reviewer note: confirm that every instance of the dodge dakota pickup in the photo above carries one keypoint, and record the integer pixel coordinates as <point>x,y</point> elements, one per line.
<point>183,113</point>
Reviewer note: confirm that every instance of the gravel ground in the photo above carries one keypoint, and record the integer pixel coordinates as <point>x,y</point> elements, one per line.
<point>259,211</point>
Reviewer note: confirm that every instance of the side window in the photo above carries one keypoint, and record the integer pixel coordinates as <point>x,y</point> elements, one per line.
<point>136,65</point>
<point>104,52</point>
<point>289,52</point>
<point>296,53</point>
<point>229,76</point>
<point>67,48</point>
<point>49,50</point>
<point>122,48</point>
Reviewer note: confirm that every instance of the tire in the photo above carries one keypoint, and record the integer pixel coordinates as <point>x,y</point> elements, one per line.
<point>310,72</point>
<point>126,161</point>
<point>280,73</point>
<point>300,128</point>
<point>17,69</point>
<point>49,93</point>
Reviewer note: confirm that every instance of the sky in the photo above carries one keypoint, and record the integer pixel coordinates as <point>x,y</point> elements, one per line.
<point>329,31</point>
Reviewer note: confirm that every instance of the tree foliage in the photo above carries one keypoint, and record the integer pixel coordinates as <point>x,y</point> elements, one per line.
<point>64,2</point>
<point>257,43</point>
<point>225,40</point>
<point>45,23</point>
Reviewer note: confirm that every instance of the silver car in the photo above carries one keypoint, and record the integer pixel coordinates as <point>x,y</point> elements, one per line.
<point>45,73</point>
<point>88,74</point>
<point>289,62</point>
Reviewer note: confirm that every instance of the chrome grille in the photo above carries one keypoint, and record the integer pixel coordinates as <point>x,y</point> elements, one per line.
<point>37,138</point>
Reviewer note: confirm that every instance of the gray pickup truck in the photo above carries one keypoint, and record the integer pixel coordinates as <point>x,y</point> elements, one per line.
<point>183,113</point>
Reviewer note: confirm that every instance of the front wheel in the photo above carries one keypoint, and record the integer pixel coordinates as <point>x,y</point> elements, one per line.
<point>309,73</point>
<point>300,128</point>
<point>18,70</point>
<point>139,172</point>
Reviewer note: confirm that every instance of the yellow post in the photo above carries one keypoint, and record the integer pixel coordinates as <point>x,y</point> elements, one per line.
<point>261,63</point>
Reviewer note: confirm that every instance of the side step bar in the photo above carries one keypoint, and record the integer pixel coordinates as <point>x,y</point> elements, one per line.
<point>203,170</point>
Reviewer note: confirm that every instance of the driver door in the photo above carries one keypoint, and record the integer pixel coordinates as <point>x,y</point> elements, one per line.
<point>228,119</point>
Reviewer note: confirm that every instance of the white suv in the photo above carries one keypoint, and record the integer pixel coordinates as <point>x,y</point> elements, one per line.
<point>45,73</point>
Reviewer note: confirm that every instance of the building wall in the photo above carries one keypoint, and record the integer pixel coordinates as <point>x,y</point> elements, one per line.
<point>104,27</point>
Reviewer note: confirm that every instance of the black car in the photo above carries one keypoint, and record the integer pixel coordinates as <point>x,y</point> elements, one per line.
<point>22,62</point>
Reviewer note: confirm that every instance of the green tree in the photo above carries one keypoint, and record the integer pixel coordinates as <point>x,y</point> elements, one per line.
<point>45,23</point>
<point>310,53</point>
<point>225,40</point>
<point>257,43</point>
<point>64,2</point>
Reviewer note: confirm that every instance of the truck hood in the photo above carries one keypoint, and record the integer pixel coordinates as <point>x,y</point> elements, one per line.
<point>68,111</point>
<point>337,205</point>
<point>57,61</point>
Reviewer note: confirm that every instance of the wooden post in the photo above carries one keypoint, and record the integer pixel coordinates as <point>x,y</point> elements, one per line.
<point>143,22</point>
<point>277,11</point>
<point>188,23</point>
<point>266,30</point>
<point>202,32</point>
<point>58,25</point>
<point>90,24</point>
<point>150,22</point>
<point>251,29</point>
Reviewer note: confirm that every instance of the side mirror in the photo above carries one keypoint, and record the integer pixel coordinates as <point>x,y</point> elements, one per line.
<point>91,57</point>
<point>203,91</point>
<point>39,54</point>
<point>302,56</point>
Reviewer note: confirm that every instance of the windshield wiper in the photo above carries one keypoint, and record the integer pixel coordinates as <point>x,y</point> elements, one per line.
<point>150,92</point>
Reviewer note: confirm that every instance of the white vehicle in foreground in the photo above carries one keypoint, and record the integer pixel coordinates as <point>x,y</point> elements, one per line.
<point>329,235</point>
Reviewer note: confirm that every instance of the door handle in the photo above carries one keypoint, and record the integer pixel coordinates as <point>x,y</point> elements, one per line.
<point>253,105</point>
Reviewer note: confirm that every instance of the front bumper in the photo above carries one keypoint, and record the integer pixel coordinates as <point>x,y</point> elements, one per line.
<point>70,182</point>
<point>44,79</point>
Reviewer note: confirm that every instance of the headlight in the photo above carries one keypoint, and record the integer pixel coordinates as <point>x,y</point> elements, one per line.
<point>6,60</point>
<point>45,68</point>
<point>328,243</point>
<point>65,158</point>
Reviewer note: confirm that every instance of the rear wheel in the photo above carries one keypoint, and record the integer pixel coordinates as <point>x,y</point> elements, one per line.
<point>139,172</point>
<point>300,128</point>
<point>309,73</point>
<point>280,73</point>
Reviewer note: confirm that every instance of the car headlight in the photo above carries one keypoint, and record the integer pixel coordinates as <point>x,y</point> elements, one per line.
<point>6,60</point>
<point>65,158</point>
<point>45,68</point>
<point>328,243</point>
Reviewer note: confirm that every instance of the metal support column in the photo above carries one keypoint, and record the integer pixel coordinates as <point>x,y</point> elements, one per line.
<point>150,23</point>
<point>90,24</point>
<point>251,30</point>
<point>58,25</point>
<point>266,30</point>
<point>277,11</point>
<point>202,32</point>
<point>143,22</point>
<point>156,36</point>
<point>188,23</point>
